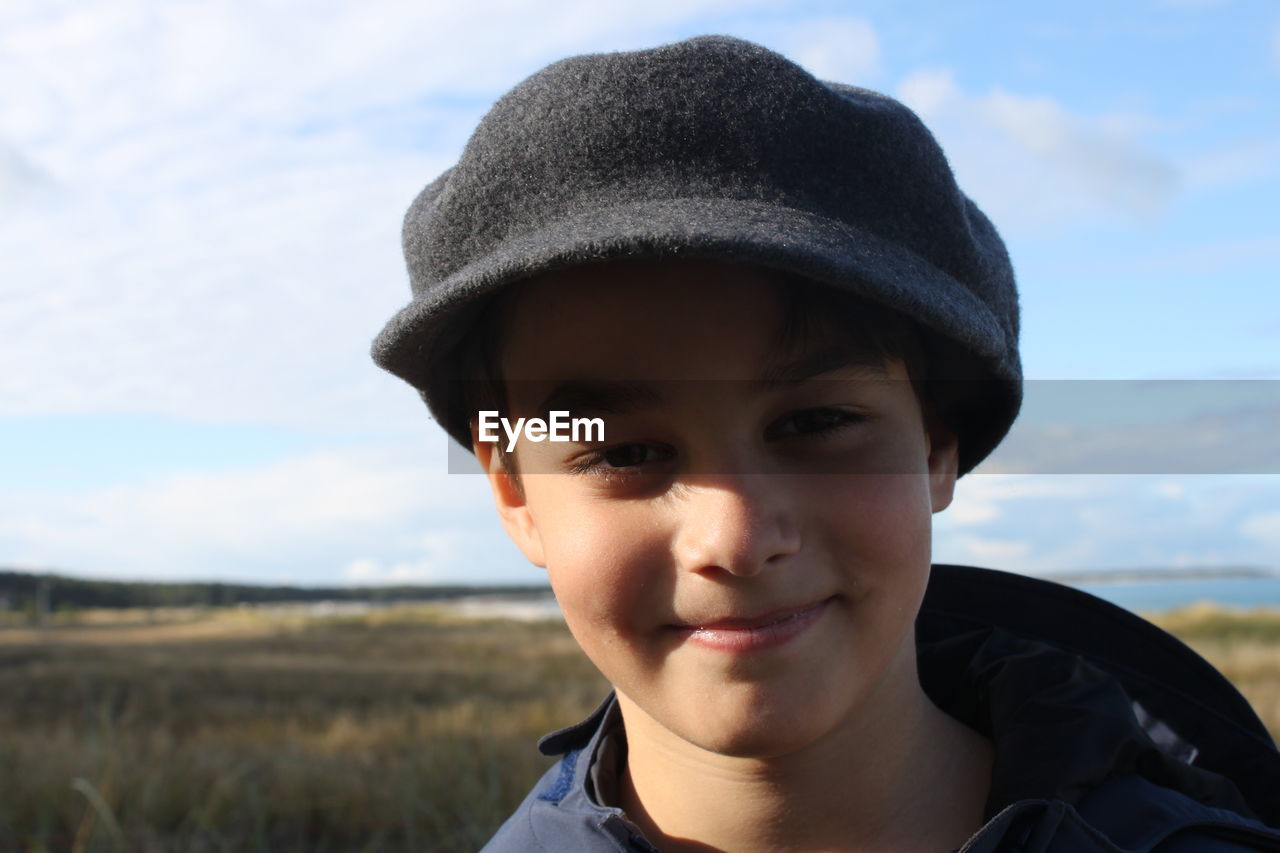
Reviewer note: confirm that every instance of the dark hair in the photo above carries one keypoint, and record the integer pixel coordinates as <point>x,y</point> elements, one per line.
<point>479,384</point>
<point>947,379</point>
<point>812,313</point>
<point>818,314</point>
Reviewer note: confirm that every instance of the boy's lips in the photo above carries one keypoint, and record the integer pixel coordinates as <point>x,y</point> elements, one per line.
<point>750,633</point>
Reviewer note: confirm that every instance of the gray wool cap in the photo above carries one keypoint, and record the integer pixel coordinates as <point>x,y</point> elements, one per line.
<point>711,148</point>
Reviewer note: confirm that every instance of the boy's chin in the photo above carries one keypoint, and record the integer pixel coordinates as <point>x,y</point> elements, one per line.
<point>758,743</point>
<point>743,723</point>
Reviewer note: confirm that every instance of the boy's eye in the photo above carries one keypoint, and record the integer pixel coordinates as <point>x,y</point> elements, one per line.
<point>622,458</point>
<point>813,422</point>
<point>629,455</point>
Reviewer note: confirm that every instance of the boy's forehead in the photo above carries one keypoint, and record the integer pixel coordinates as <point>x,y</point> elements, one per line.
<point>611,341</point>
<point>663,320</point>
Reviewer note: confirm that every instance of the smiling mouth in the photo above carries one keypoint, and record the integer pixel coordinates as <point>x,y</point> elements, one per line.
<point>733,634</point>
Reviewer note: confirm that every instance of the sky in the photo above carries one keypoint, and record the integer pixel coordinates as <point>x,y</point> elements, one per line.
<point>200,206</point>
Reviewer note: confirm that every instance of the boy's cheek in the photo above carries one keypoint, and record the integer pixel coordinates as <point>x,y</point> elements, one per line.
<point>604,594</point>
<point>613,601</point>
<point>873,524</point>
<point>614,577</point>
<point>886,501</point>
<point>616,616</point>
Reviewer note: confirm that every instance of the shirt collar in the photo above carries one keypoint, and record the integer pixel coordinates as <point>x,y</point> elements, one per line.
<point>579,735</point>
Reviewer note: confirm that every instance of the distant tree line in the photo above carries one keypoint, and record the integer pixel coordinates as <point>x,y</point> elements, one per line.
<point>20,591</point>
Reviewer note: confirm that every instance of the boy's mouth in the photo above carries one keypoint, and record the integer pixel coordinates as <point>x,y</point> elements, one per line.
<point>752,633</point>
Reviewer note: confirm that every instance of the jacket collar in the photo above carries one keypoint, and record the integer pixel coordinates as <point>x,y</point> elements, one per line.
<point>1065,734</point>
<point>578,735</point>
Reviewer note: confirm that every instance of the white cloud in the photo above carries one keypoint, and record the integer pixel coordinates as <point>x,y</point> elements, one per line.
<point>843,49</point>
<point>981,487</point>
<point>1031,163</point>
<point>362,570</point>
<point>1158,427</point>
<point>110,74</point>
<point>439,551</point>
<point>1053,523</point>
<point>199,210</point>
<point>209,306</point>
<point>231,178</point>
<point>993,551</point>
<point>381,515</point>
<point>1263,527</point>
<point>20,181</point>
<point>389,516</point>
<point>1013,510</point>
<point>968,512</point>
<point>981,498</point>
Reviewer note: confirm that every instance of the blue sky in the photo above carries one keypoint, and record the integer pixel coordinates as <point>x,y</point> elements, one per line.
<point>199,235</point>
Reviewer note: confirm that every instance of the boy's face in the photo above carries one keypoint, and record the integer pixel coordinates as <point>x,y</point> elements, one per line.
<point>742,559</point>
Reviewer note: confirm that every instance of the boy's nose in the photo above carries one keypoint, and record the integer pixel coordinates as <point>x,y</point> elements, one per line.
<point>739,524</point>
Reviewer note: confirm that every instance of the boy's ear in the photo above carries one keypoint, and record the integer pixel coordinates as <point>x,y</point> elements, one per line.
<point>944,463</point>
<point>509,499</point>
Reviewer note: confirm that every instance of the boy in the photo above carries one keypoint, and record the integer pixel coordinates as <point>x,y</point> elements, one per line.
<point>797,333</point>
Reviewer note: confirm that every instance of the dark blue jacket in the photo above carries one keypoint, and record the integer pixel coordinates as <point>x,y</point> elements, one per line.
<point>1109,734</point>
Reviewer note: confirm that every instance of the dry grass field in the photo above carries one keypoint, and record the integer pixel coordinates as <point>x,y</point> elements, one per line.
<point>404,729</point>
<point>1243,645</point>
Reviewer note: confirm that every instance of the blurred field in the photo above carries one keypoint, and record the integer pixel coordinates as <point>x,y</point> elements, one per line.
<point>401,729</point>
<point>1243,644</point>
